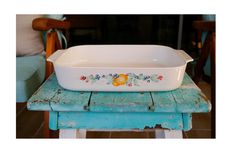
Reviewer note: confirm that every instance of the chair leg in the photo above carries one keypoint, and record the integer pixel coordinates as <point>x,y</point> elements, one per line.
<point>213,88</point>
<point>202,59</point>
<point>46,125</point>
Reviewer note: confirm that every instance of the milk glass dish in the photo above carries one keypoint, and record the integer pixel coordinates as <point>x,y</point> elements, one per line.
<point>120,67</point>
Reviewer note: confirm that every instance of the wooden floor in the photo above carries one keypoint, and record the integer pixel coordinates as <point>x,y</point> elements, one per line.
<point>29,124</point>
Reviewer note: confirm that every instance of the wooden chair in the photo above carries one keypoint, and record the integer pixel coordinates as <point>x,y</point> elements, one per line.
<point>52,44</point>
<point>208,47</point>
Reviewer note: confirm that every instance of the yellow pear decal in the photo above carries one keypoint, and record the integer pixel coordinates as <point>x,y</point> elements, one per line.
<point>120,80</point>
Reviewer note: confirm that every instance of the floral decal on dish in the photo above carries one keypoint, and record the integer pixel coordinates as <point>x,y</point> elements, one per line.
<point>129,79</point>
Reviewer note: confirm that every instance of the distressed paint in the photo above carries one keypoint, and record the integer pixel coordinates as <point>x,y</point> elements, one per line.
<point>190,100</point>
<point>186,99</point>
<point>163,102</point>
<point>52,97</point>
<point>120,102</point>
<point>53,120</point>
<point>125,120</point>
<point>70,101</point>
<point>187,121</point>
<point>40,100</point>
<point>119,110</point>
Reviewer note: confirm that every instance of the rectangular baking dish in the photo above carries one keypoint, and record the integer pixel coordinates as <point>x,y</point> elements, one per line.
<point>120,67</point>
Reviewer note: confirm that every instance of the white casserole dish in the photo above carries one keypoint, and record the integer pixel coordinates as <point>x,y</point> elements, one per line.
<point>120,67</point>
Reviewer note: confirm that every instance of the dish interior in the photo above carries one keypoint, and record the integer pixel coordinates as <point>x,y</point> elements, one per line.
<point>125,56</point>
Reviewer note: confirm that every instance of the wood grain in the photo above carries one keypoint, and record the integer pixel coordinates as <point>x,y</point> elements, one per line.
<point>188,98</point>
<point>44,24</point>
<point>120,102</point>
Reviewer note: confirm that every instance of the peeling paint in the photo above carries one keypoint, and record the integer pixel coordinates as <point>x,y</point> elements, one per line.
<point>207,100</point>
<point>189,86</point>
<point>71,124</point>
<point>96,120</point>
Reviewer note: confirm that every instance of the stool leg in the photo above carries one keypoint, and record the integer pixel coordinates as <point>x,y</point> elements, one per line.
<point>72,133</point>
<point>81,133</point>
<point>173,133</point>
<point>159,133</point>
<point>162,133</point>
<point>68,133</point>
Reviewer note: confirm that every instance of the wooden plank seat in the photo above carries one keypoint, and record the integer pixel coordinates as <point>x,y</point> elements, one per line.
<point>119,110</point>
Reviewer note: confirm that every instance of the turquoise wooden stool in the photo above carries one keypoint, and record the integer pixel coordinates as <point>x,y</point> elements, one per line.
<point>72,112</point>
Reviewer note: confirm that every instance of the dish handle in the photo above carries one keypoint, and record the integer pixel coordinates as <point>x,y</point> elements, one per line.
<point>184,55</point>
<point>52,58</point>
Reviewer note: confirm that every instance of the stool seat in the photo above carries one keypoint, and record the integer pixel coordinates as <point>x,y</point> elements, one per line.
<point>119,110</point>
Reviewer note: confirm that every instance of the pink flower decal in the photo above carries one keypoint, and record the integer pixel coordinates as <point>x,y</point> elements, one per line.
<point>160,77</point>
<point>82,77</point>
<point>129,84</point>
